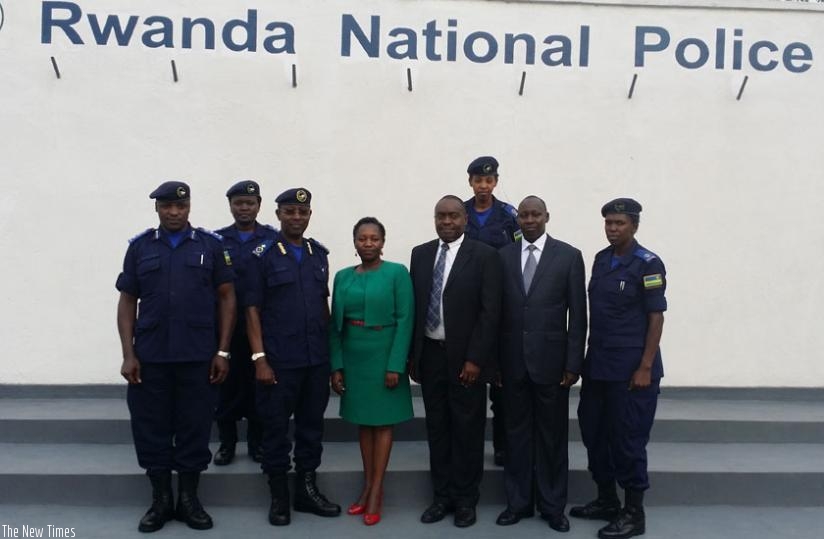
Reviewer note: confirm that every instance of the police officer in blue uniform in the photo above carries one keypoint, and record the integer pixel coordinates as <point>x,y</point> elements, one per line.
<point>174,351</point>
<point>287,314</point>
<point>494,223</point>
<point>622,371</point>
<point>237,393</point>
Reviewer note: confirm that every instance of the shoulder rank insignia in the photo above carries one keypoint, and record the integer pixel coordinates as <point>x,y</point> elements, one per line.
<point>644,255</point>
<point>262,248</point>
<point>281,248</point>
<point>317,244</point>
<point>215,235</point>
<point>147,231</point>
<point>653,281</point>
<point>511,210</point>
<point>227,258</point>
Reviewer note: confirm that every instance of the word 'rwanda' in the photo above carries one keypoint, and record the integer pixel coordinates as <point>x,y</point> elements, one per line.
<point>435,42</point>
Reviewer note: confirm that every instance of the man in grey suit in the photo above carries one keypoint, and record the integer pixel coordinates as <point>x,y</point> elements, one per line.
<point>544,324</point>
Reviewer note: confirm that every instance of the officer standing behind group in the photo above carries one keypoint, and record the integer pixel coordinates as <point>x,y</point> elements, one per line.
<point>494,223</point>
<point>622,371</point>
<point>177,346</point>
<point>286,318</point>
<point>237,393</point>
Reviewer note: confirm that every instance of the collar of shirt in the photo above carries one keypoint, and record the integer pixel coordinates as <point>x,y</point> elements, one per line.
<point>453,246</point>
<point>540,243</point>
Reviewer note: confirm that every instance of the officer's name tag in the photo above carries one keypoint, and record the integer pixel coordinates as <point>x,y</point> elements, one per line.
<point>653,281</point>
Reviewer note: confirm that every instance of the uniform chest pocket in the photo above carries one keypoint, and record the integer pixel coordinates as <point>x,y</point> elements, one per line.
<point>321,274</point>
<point>624,289</point>
<point>199,260</point>
<point>279,277</point>
<point>148,264</point>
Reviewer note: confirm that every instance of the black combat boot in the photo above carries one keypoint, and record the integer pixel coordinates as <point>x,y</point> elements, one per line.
<point>162,509</point>
<point>630,522</point>
<point>308,498</point>
<point>227,432</point>
<point>605,507</point>
<point>189,509</point>
<point>279,510</point>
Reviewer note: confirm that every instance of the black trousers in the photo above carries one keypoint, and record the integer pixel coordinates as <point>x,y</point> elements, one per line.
<point>304,393</point>
<point>537,428</point>
<point>171,415</point>
<point>615,426</point>
<point>455,421</point>
<point>237,393</point>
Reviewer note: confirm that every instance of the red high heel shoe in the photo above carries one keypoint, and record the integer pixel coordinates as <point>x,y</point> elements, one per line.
<point>356,509</point>
<point>370,519</point>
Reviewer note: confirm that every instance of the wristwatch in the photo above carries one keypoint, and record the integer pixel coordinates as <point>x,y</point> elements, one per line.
<point>258,355</point>
<point>224,355</point>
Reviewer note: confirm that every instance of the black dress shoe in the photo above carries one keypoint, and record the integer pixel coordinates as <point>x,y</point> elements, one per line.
<point>435,512</point>
<point>629,523</point>
<point>464,517</point>
<point>558,522</point>
<point>498,459</point>
<point>509,517</point>
<point>598,509</point>
<point>225,454</point>
<point>255,452</point>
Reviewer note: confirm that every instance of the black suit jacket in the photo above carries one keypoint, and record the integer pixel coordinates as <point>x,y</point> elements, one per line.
<point>543,331</point>
<point>471,304</point>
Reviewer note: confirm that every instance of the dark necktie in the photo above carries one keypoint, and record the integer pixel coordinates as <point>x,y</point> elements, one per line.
<point>433,313</point>
<point>529,267</point>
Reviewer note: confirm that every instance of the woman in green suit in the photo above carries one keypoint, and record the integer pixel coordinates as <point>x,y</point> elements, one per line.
<point>370,332</point>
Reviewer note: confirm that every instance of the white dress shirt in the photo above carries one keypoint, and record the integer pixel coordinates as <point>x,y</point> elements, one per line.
<point>439,333</point>
<point>540,243</point>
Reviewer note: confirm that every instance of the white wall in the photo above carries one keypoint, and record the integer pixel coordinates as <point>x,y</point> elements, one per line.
<point>732,189</point>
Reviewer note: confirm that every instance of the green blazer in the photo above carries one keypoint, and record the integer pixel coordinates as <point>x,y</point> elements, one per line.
<point>389,302</point>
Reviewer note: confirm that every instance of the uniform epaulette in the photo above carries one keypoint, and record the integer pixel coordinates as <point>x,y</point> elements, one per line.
<point>215,235</point>
<point>644,255</point>
<point>147,231</point>
<point>510,209</point>
<point>319,245</point>
<point>262,248</point>
<point>270,227</point>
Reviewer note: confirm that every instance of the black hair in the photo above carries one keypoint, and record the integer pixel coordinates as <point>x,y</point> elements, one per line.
<point>369,221</point>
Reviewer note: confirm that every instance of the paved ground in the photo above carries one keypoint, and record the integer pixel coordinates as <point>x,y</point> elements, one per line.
<point>716,522</point>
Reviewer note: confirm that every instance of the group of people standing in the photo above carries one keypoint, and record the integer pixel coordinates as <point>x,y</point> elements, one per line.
<point>493,300</point>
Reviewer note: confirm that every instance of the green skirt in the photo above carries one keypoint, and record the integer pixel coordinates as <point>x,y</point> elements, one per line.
<point>367,401</point>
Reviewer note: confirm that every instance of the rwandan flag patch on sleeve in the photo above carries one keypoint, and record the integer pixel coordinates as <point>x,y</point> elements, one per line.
<point>653,281</point>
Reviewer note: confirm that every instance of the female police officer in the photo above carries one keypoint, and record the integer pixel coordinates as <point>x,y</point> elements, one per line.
<point>622,370</point>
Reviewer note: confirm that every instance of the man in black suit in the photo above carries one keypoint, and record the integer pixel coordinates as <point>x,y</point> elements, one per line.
<point>457,283</point>
<point>544,323</point>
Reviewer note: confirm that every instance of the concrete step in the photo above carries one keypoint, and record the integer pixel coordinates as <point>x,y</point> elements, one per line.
<point>671,522</point>
<point>681,474</point>
<point>106,420</point>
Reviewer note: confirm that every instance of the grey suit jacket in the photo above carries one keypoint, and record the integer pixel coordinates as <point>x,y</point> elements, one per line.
<point>543,330</point>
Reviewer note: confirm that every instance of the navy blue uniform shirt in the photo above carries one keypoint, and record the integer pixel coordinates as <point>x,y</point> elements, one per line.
<point>242,257</point>
<point>620,298</point>
<point>292,298</point>
<point>500,228</point>
<point>177,293</point>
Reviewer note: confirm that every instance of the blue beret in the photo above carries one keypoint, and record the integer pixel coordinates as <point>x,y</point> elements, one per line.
<point>171,191</point>
<point>621,205</point>
<point>298,195</point>
<point>244,188</point>
<point>483,166</point>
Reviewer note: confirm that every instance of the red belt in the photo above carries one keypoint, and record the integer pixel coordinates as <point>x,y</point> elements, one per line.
<point>362,324</point>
